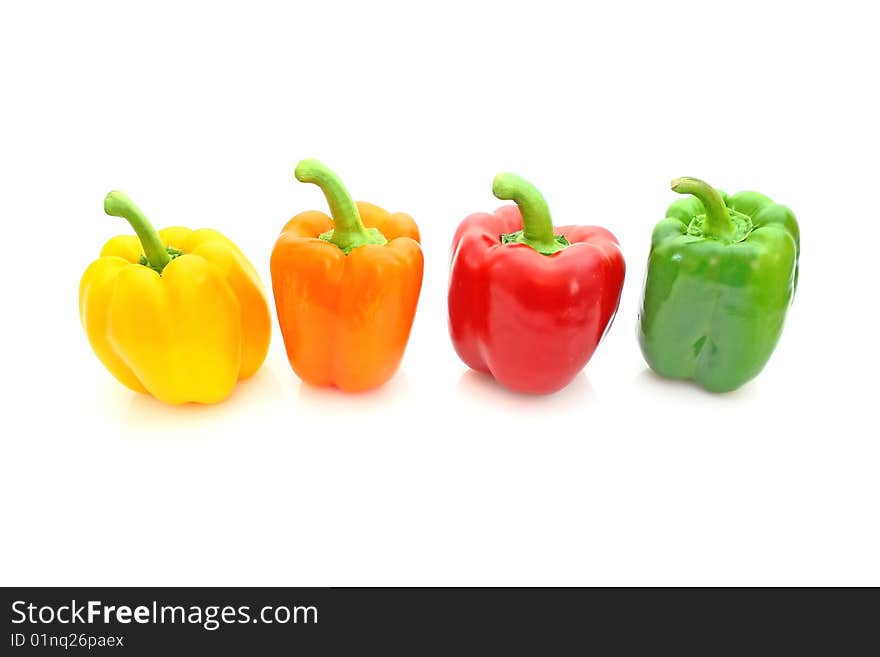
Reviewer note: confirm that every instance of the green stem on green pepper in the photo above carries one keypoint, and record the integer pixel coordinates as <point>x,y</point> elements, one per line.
<point>718,222</point>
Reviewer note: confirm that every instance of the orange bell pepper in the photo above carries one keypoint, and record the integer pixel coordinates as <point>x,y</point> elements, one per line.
<point>346,288</point>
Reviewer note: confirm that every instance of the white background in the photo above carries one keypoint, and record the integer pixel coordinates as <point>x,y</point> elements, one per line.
<point>201,112</point>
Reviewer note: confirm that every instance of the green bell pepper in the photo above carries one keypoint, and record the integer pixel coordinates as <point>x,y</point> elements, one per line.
<point>722,273</point>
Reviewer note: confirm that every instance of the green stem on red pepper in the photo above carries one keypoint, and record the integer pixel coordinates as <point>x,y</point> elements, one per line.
<point>156,254</point>
<point>348,231</point>
<point>717,222</point>
<point>537,229</point>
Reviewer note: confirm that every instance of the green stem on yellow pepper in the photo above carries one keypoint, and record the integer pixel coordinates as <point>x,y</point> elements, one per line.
<point>117,204</point>
<point>718,222</point>
<point>348,231</point>
<point>537,229</point>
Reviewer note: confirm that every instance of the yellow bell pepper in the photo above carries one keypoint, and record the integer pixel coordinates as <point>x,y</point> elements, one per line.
<point>179,314</point>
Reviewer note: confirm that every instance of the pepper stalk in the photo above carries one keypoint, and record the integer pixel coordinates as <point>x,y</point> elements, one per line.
<point>537,229</point>
<point>718,222</point>
<point>156,254</point>
<point>348,231</point>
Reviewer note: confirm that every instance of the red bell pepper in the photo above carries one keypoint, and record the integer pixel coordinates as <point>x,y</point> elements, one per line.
<point>526,304</point>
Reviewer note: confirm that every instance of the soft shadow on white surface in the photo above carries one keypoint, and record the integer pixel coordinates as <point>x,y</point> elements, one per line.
<point>148,416</point>
<point>484,389</point>
<point>323,399</point>
<point>650,380</point>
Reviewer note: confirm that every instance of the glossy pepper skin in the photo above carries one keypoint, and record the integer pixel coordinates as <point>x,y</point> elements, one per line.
<point>179,314</point>
<point>722,273</point>
<point>346,288</point>
<point>528,304</point>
